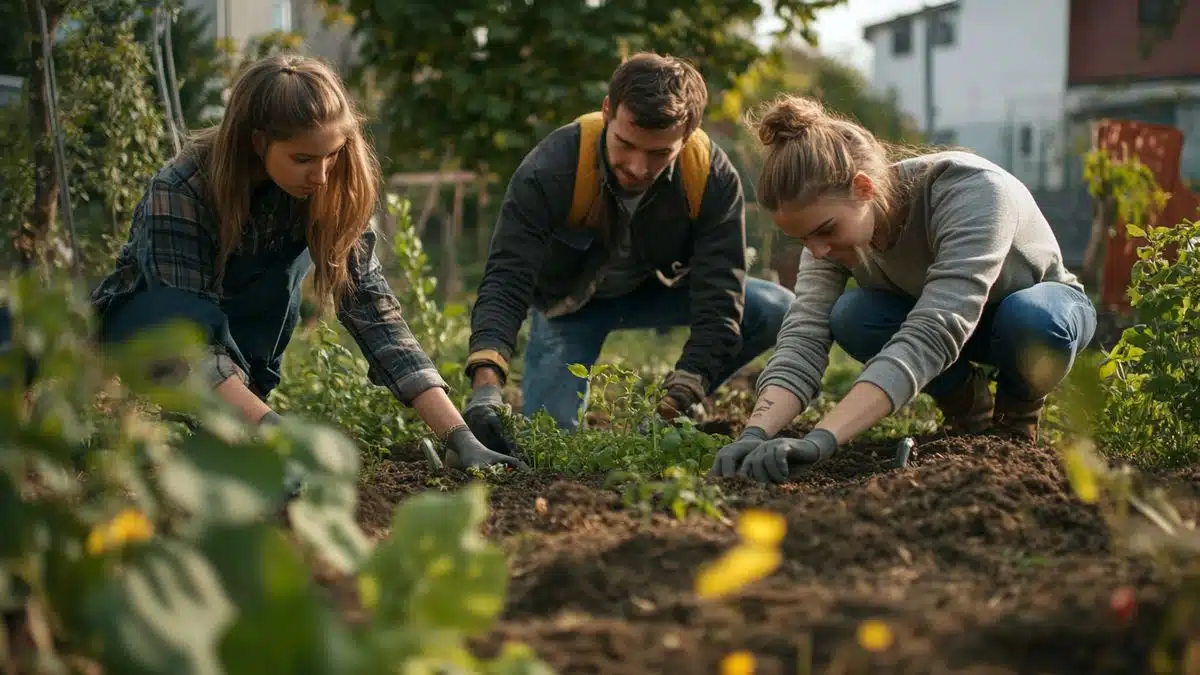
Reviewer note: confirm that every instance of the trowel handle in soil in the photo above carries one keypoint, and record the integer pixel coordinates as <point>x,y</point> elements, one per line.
<point>431,455</point>
<point>903,451</point>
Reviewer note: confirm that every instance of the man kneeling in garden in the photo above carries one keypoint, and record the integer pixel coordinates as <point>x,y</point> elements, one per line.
<point>630,217</point>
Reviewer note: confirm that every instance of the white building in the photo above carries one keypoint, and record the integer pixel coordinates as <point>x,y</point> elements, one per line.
<point>992,78</point>
<point>239,20</point>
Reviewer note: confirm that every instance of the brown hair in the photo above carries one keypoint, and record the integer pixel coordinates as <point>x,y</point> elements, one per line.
<point>812,152</point>
<point>282,97</point>
<point>660,91</point>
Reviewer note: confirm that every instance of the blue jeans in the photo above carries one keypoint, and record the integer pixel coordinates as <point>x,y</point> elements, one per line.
<point>556,343</point>
<point>1048,315</point>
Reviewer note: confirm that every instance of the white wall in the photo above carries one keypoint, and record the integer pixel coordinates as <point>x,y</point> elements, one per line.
<point>1006,69</point>
<point>242,19</point>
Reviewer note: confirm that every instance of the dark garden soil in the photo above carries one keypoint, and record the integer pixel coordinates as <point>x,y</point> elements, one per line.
<point>977,555</point>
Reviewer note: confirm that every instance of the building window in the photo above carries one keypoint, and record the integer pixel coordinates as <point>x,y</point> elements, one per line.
<point>1025,140</point>
<point>282,15</point>
<point>942,27</point>
<point>902,36</point>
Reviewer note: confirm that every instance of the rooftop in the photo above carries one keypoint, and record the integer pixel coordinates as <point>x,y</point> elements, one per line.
<point>871,28</point>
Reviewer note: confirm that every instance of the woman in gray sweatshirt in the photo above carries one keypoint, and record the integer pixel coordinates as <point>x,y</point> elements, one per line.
<point>955,266</point>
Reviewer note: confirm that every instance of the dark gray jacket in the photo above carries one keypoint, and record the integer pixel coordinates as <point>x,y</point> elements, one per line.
<point>537,259</point>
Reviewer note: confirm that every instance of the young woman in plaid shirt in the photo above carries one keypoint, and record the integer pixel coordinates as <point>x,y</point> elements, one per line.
<point>228,230</point>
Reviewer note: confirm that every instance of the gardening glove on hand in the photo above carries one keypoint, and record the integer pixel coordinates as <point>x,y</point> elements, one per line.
<point>684,392</point>
<point>769,462</point>
<point>463,450</point>
<point>730,457</point>
<point>482,415</point>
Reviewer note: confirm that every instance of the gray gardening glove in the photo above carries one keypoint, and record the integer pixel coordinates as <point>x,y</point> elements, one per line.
<point>463,450</point>
<point>729,458</point>
<point>482,415</point>
<point>769,462</point>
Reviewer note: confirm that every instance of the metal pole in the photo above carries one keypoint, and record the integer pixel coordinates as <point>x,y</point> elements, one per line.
<point>172,82</point>
<point>162,80</point>
<point>60,155</point>
<point>930,126</point>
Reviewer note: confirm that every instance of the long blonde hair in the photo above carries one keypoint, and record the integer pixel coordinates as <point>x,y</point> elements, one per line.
<point>811,152</point>
<point>282,97</point>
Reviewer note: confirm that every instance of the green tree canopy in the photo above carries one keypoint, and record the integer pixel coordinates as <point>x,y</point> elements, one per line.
<point>483,80</point>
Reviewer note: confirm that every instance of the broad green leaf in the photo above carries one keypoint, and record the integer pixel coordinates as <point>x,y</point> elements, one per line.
<point>324,513</point>
<point>164,612</point>
<point>282,625</point>
<point>578,370</point>
<point>436,570</point>
<point>1108,369</point>
<point>220,483</point>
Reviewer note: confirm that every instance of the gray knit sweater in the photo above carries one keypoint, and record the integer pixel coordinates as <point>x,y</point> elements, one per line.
<point>973,236</point>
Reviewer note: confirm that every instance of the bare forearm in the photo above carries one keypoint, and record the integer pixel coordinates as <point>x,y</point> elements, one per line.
<point>438,411</point>
<point>861,407</point>
<point>237,394</point>
<point>775,408</point>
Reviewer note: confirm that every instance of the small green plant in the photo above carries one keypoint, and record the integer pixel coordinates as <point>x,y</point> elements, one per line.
<point>1123,189</point>
<point>325,379</point>
<point>679,492</point>
<point>1152,375</point>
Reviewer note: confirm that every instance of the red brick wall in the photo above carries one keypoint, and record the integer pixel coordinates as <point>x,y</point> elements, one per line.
<point>1103,44</point>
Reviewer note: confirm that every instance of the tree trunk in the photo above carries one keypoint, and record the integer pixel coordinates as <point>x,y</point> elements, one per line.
<point>32,238</point>
<point>1093,256</point>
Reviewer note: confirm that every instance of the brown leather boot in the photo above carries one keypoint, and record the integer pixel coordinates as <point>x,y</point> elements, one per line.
<point>968,409</point>
<point>1017,419</point>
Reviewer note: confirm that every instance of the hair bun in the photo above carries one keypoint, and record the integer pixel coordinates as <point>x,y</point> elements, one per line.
<point>787,118</point>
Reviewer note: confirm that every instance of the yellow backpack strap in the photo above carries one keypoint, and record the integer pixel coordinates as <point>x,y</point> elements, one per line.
<point>587,182</point>
<point>695,162</point>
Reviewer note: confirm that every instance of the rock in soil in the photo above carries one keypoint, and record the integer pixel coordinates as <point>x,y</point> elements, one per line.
<point>977,555</point>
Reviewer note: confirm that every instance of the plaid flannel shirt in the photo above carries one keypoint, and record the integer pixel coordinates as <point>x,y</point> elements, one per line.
<point>173,240</point>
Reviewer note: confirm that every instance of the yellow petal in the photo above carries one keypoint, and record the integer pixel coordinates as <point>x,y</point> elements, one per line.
<point>1080,475</point>
<point>761,528</point>
<point>368,591</point>
<point>741,565</point>
<point>738,663</point>
<point>96,542</point>
<point>874,635</point>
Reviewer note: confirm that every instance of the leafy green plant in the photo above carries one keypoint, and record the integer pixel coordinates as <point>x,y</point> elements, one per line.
<point>1123,189</point>
<point>1152,375</point>
<point>679,492</point>
<point>325,378</point>
<point>165,556</point>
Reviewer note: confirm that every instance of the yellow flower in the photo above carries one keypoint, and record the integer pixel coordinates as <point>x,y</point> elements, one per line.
<point>127,526</point>
<point>762,528</point>
<point>741,565</point>
<point>874,635</point>
<point>738,663</point>
<point>1080,475</point>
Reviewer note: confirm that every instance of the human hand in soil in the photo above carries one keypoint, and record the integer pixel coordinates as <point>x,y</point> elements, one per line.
<point>770,462</point>
<point>729,458</point>
<point>483,417</point>
<point>463,451</point>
